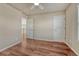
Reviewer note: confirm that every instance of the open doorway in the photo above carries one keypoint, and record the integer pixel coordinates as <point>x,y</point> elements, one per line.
<point>23,31</point>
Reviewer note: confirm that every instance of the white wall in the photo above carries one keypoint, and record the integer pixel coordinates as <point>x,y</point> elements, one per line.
<point>9,26</point>
<point>71,27</point>
<point>44,26</point>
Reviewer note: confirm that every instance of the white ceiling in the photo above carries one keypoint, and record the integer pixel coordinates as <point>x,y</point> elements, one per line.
<point>48,7</point>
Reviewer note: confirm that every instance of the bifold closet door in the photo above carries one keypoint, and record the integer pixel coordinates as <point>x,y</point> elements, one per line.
<point>58,28</point>
<point>42,27</point>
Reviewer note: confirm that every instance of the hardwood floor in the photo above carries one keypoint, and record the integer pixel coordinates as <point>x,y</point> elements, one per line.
<point>39,48</point>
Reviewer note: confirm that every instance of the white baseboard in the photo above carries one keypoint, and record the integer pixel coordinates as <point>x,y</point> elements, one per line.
<point>49,40</point>
<point>10,46</point>
<point>72,48</point>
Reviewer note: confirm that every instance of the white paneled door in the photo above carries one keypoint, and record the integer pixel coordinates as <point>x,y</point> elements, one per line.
<point>42,27</point>
<point>58,26</point>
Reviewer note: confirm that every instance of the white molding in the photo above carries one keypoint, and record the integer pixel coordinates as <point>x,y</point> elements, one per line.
<point>48,40</point>
<point>71,48</point>
<point>10,46</point>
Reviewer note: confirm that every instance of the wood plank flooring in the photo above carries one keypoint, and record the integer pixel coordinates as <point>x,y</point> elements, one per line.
<point>39,48</point>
